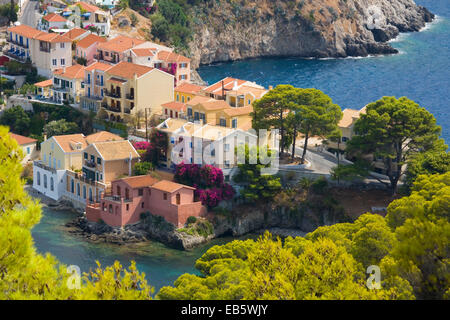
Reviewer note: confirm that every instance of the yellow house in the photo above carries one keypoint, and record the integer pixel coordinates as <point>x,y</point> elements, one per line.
<point>346,126</point>
<point>43,88</point>
<point>186,91</point>
<point>67,84</point>
<point>131,89</point>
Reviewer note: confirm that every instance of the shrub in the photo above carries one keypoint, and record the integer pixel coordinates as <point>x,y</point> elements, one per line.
<point>191,220</point>
<point>319,186</point>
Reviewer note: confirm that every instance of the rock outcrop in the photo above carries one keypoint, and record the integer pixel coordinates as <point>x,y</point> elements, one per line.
<point>233,30</point>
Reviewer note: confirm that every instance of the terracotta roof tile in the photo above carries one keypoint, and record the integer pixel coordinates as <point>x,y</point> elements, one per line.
<point>75,33</point>
<point>67,142</point>
<point>347,118</point>
<point>98,66</point>
<point>87,6</point>
<point>174,105</point>
<point>143,52</point>
<point>238,111</point>
<point>120,44</point>
<point>89,40</point>
<point>172,57</point>
<point>103,136</point>
<point>169,186</point>
<point>25,31</point>
<point>140,181</point>
<point>73,72</point>
<point>53,17</point>
<point>127,70</point>
<point>215,105</point>
<point>21,140</point>
<point>228,84</point>
<point>52,37</point>
<point>189,88</point>
<point>45,83</point>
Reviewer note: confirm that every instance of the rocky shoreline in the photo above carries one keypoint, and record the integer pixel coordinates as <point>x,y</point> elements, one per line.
<point>319,29</point>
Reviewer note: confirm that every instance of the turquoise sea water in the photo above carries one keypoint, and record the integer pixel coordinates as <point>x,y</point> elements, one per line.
<point>421,72</point>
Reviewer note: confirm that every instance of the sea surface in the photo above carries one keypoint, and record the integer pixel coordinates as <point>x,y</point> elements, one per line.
<point>421,72</point>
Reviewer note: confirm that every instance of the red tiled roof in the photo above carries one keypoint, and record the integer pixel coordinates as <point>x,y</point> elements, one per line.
<point>89,40</point>
<point>172,57</point>
<point>143,52</point>
<point>25,31</point>
<point>140,181</point>
<point>127,70</point>
<point>120,44</point>
<point>98,66</point>
<point>45,83</point>
<point>74,33</point>
<point>52,37</point>
<point>73,72</point>
<point>87,6</point>
<point>188,88</point>
<point>169,186</point>
<point>53,17</point>
<point>22,139</point>
<point>174,105</point>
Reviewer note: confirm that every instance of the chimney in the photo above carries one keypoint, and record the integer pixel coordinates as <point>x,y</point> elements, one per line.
<point>45,136</point>
<point>223,89</point>
<point>235,85</point>
<point>129,166</point>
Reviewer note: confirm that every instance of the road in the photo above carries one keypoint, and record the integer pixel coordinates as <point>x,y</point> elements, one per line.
<point>28,16</point>
<point>320,162</point>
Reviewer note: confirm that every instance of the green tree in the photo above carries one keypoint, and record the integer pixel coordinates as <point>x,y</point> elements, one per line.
<point>257,186</point>
<point>142,168</point>
<point>394,130</point>
<point>428,163</point>
<point>17,119</point>
<point>60,127</point>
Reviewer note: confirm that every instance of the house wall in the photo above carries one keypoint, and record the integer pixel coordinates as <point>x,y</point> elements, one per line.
<point>29,152</point>
<point>87,53</point>
<point>44,60</point>
<point>52,190</point>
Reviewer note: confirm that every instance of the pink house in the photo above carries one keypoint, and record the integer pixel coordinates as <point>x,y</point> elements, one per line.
<point>87,47</point>
<point>132,196</point>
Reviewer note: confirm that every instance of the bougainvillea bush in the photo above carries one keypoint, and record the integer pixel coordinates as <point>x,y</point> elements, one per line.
<point>208,181</point>
<point>141,145</point>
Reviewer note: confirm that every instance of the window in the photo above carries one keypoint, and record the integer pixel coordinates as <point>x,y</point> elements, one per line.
<point>128,207</point>
<point>85,155</point>
<point>51,184</point>
<point>118,190</point>
<point>54,62</point>
<point>54,163</point>
<point>59,164</point>
<point>45,181</point>
<point>92,158</point>
<point>182,99</point>
<point>140,192</point>
<point>78,189</point>
<point>90,195</point>
<point>63,62</point>
<point>226,147</point>
<point>189,111</point>
<point>72,188</point>
<point>45,158</point>
<point>99,160</point>
<point>178,198</point>
<point>189,98</point>
<point>84,192</point>
<point>234,123</point>
<point>38,178</point>
<point>62,45</point>
<point>142,205</point>
<point>165,196</point>
<point>178,97</point>
<point>223,122</point>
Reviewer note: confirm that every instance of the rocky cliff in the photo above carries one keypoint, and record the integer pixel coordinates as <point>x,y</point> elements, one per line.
<point>233,29</point>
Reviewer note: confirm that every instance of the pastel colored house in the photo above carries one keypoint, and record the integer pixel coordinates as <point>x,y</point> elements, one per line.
<point>53,21</point>
<point>187,91</point>
<point>47,51</point>
<point>346,126</point>
<point>131,197</point>
<point>94,85</point>
<point>174,109</point>
<point>92,15</point>
<point>103,162</point>
<point>67,84</point>
<point>115,50</point>
<point>175,64</point>
<point>20,42</point>
<point>132,88</point>
<point>87,47</point>
<point>43,88</point>
<point>28,147</point>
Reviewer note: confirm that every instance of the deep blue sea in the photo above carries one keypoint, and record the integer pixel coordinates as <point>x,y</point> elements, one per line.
<point>421,71</point>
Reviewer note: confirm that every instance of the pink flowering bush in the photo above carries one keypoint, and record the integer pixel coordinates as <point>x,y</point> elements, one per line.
<point>141,145</point>
<point>208,181</point>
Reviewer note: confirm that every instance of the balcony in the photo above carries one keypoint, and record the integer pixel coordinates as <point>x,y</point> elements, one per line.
<point>99,83</point>
<point>115,198</point>
<point>16,55</point>
<point>89,163</point>
<point>18,43</point>
<point>110,108</point>
<point>129,96</point>
<point>112,94</point>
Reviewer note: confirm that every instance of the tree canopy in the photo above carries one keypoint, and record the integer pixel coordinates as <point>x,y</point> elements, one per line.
<point>394,130</point>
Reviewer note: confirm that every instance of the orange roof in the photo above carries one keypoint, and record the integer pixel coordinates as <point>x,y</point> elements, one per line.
<point>238,111</point>
<point>127,70</point>
<point>188,88</point>
<point>169,186</point>
<point>73,72</point>
<point>115,150</point>
<point>25,31</point>
<point>140,181</point>
<point>172,57</point>
<point>199,99</point>
<point>53,17</point>
<point>67,142</point>
<point>228,84</point>
<point>74,33</point>
<point>87,6</point>
<point>102,136</point>
<point>174,105</point>
<point>45,83</point>
<point>98,66</point>
<point>52,37</point>
<point>215,105</point>
<point>89,40</point>
<point>22,139</point>
<point>347,117</point>
<point>143,52</point>
<point>120,44</point>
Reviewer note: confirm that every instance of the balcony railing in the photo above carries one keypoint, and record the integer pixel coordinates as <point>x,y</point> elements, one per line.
<point>112,94</point>
<point>18,43</point>
<point>90,163</point>
<point>110,108</point>
<point>130,96</point>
